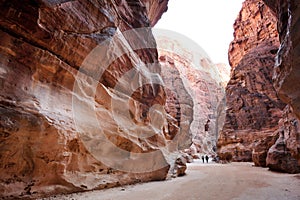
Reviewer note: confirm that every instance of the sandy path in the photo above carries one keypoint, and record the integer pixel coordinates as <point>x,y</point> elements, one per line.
<point>207,181</point>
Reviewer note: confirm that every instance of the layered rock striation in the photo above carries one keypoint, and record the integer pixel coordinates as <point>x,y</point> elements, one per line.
<point>82,105</point>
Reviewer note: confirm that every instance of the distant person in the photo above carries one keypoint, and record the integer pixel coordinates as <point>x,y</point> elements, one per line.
<point>206,157</point>
<point>206,126</point>
<point>203,159</point>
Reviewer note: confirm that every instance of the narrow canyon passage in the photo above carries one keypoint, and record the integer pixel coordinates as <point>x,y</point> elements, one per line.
<point>99,103</point>
<point>206,181</point>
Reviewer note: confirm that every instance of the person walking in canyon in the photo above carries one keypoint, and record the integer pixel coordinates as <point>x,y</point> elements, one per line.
<point>206,158</point>
<point>206,126</point>
<point>203,158</point>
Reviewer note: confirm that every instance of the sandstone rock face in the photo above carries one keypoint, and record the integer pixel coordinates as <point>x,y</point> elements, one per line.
<point>203,81</point>
<point>75,117</point>
<point>285,154</point>
<point>254,24</point>
<point>155,9</point>
<point>261,148</point>
<point>253,107</point>
<point>287,63</point>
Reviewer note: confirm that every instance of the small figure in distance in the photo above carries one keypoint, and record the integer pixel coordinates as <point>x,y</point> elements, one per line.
<point>206,126</point>
<point>206,157</point>
<point>203,158</point>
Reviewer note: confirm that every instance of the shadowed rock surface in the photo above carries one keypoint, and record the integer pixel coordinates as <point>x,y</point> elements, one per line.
<point>285,154</point>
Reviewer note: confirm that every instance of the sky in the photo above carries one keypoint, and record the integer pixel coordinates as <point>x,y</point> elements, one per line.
<point>208,22</point>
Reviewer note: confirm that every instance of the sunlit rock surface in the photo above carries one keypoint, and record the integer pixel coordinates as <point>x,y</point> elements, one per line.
<point>68,114</point>
<point>253,107</point>
<point>203,81</point>
<point>255,23</point>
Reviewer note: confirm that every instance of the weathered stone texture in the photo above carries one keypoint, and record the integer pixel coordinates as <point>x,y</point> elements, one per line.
<point>205,92</point>
<point>253,107</point>
<point>285,154</point>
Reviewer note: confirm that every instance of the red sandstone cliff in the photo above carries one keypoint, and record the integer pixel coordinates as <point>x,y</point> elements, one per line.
<point>285,154</point>
<point>259,126</point>
<point>253,107</point>
<point>68,114</point>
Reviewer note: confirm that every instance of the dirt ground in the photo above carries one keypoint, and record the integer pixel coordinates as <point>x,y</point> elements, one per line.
<point>207,181</point>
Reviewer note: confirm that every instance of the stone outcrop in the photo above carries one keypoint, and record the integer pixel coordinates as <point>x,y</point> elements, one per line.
<point>155,9</point>
<point>285,154</point>
<point>80,106</point>
<point>253,107</point>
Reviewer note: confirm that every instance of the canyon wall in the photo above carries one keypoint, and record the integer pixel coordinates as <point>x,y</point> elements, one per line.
<point>204,81</point>
<point>205,92</point>
<point>82,100</point>
<point>253,107</point>
<point>264,57</point>
<point>285,154</point>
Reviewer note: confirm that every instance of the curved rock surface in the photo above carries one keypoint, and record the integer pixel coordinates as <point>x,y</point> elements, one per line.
<point>66,116</point>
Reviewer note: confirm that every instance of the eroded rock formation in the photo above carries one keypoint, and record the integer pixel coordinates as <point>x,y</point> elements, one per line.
<point>256,118</point>
<point>253,107</point>
<point>204,82</point>
<point>255,23</point>
<point>75,117</point>
<point>285,154</point>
